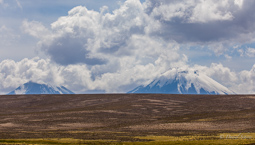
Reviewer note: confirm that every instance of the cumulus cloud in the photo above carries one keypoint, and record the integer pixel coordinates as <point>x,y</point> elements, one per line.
<point>87,36</point>
<point>215,24</point>
<point>95,35</point>
<point>13,74</point>
<point>247,82</point>
<point>240,82</point>
<point>36,29</point>
<point>222,74</point>
<point>193,11</point>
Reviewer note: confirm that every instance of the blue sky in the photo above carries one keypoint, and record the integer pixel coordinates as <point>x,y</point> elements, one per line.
<point>116,45</point>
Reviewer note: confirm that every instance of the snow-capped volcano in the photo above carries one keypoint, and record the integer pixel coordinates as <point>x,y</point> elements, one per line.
<point>183,82</point>
<point>35,88</point>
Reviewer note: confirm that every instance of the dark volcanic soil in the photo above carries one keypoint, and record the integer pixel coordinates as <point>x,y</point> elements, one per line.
<point>121,115</point>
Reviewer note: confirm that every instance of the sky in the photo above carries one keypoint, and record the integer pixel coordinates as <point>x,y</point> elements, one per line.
<point>114,46</point>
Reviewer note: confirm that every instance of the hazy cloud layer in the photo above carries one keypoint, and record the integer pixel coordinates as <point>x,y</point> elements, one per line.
<point>7,4</point>
<point>7,36</point>
<point>2,3</point>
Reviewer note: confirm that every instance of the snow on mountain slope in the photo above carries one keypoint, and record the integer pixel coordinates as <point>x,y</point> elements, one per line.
<point>35,88</point>
<point>183,82</point>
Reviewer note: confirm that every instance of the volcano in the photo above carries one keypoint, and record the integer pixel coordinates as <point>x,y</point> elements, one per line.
<point>35,88</point>
<point>183,82</point>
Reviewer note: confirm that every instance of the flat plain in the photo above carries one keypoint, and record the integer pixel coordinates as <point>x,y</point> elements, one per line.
<point>127,119</point>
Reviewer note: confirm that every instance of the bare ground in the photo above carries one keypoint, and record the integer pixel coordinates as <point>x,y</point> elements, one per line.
<point>123,116</point>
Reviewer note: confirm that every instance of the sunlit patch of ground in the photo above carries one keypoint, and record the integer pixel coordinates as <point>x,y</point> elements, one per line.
<point>224,138</point>
<point>193,126</point>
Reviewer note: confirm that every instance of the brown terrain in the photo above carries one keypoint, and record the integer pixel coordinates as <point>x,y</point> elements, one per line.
<point>123,116</point>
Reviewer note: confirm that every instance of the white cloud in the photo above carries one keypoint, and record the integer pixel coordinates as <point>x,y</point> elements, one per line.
<point>91,37</point>
<point>212,24</point>
<point>229,58</point>
<point>168,12</point>
<point>211,10</point>
<point>239,3</point>
<point>223,74</point>
<point>240,82</point>
<point>217,25</point>
<point>220,73</point>
<point>247,82</point>
<point>250,52</point>
<point>35,29</point>
<point>13,74</point>
<point>192,11</point>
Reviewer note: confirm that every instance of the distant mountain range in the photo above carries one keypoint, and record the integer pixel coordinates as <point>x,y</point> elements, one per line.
<point>35,88</point>
<point>183,82</point>
<point>172,82</point>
